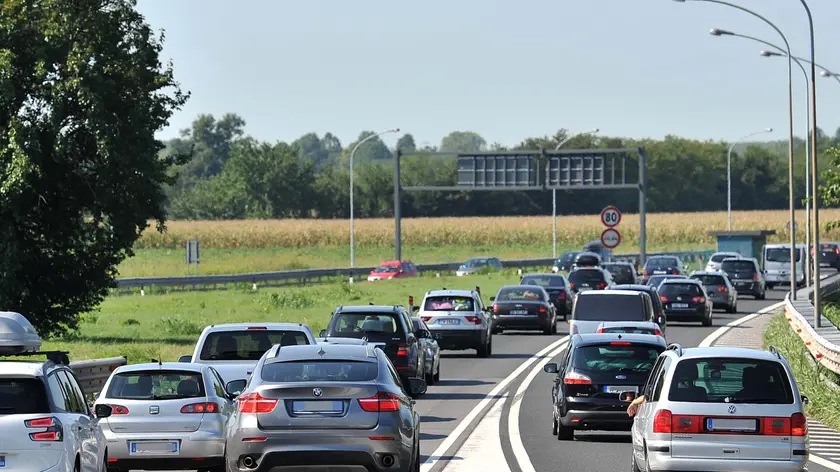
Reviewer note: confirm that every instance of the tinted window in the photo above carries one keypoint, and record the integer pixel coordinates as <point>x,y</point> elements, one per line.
<point>74,402</point>
<point>449,303</point>
<point>156,385</point>
<point>77,391</point>
<point>780,254</point>
<point>587,260</point>
<point>320,371</point>
<point>721,380</point>
<point>247,345</point>
<point>611,358</point>
<point>386,269</point>
<point>662,263</point>
<point>709,279</point>
<point>628,329</point>
<point>721,257</point>
<point>519,294</point>
<point>543,281</point>
<point>677,290</point>
<point>475,262</point>
<point>23,396</point>
<point>658,279</point>
<point>738,266</point>
<point>568,257</point>
<point>580,277</point>
<point>355,325</point>
<point>620,269</point>
<point>603,307</point>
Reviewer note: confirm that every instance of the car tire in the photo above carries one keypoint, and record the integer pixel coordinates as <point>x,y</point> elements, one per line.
<point>762,296</point>
<point>564,433</point>
<point>436,377</point>
<point>548,330</point>
<point>430,379</point>
<point>554,425</point>
<point>485,350</point>
<point>707,321</point>
<point>633,466</point>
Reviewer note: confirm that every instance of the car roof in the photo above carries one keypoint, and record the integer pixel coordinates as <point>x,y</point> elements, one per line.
<point>577,269</point>
<point>661,256</point>
<point>618,263</point>
<point>524,287</point>
<point>725,253</point>
<point>681,280</point>
<point>26,368</point>
<point>588,254</point>
<point>544,275</point>
<point>607,324</point>
<point>633,288</point>
<point>601,338</point>
<point>182,366</point>
<point>357,352</point>
<point>782,245</point>
<point>451,293</point>
<point>720,352</point>
<point>709,272</point>
<point>268,326</point>
<point>367,309</point>
<point>602,293</point>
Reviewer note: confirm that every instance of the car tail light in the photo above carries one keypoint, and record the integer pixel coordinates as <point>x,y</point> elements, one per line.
<point>573,329</point>
<point>118,410</point>
<point>601,285</point>
<point>699,299</point>
<point>402,350</point>
<point>543,309</point>
<point>685,423</point>
<point>426,319</point>
<point>658,333</point>
<point>39,423</point>
<point>53,432</point>
<point>620,343</point>
<point>473,319</point>
<point>571,285</point>
<point>599,330</point>
<point>798,425</point>
<point>675,272</point>
<point>381,402</point>
<point>721,289</point>
<point>573,378</point>
<point>256,403</point>
<point>755,277</point>
<point>663,299</point>
<point>662,421</point>
<point>208,407</point>
<point>776,426</point>
<point>837,250</point>
<point>561,295</point>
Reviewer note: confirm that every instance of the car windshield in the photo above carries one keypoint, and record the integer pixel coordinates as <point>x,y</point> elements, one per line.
<point>619,357</point>
<point>568,257</point>
<point>509,294</point>
<point>780,254</point>
<point>580,277</point>
<point>609,307</point>
<point>628,329</point>
<point>247,345</point>
<point>731,380</point>
<point>386,269</point>
<point>829,247</point>
<point>738,266</point>
<point>156,385</point>
<point>357,325</point>
<point>721,257</point>
<point>475,263</point>
<point>709,280</point>
<point>662,263</point>
<point>679,290</point>
<point>22,396</point>
<point>619,269</point>
<point>655,280</point>
<point>543,281</point>
<point>320,371</point>
<point>449,303</point>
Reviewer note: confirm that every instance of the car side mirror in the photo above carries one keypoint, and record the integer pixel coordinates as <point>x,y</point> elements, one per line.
<point>185,359</point>
<point>235,387</point>
<point>322,334</point>
<point>102,411</point>
<point>550,368</point>
<point>804,400</point>
<point>415,308</point>
<point>492,299</point>
<point>417,386</point>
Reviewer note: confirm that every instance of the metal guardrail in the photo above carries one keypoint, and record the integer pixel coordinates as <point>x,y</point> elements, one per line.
<point>93,373</point>
<point>824,342</point>
<point>310,276</point>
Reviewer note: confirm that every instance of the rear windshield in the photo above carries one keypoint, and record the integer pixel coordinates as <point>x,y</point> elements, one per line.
<point>722,380</point>
<point>829,247</point>
<point>709,280</point>
<point>721,257</point>
<point>607,307</point>
<point>543,281</point>
<point>511,294</point>
<point>587,260</point>
<point>358,325</point>
<point>476,262</point>
<point>780,254</point>
<point>320,371</point>
<point>655,280</point>
<point>22,396</point>
<point>247,345</point>
<point>156,385</point>
<point>676,290</point>
<point>386,269</point>
<point>628,329</point>
<point>613,358</point>
<point>578,277</point>
<point>619,269</point>
<point>567,257</point>
<point>738,266</point>
<point>662,263</point>
<point>449,304</point>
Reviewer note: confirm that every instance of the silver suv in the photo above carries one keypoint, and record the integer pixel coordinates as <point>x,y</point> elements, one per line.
<point>712,408</point>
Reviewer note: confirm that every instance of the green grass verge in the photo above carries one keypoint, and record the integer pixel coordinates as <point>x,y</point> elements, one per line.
<point>164,262</point>
<point>824,401</point>
<point>832,312</point>
<point>167,326</point>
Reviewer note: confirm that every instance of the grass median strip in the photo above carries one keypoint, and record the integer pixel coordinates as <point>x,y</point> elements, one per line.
<point>824,401</point>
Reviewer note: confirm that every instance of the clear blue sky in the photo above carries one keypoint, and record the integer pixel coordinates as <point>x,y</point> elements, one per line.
<point>505,69</point>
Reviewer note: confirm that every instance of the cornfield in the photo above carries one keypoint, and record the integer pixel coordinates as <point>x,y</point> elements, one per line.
<point>662,229</point>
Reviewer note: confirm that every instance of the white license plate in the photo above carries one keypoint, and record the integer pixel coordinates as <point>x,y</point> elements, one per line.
<point>518,312</point>
<point>157,448</point>
<point>725,424</point>
<point>318,407</point>
<point>453,321</point>
<point>659,272</point>
<point>679,305</point>
<point>616,389</point>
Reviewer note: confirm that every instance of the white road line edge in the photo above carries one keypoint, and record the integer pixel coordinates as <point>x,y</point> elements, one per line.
<point>827,464</point>
<point>435,457</point>
<point>478,452</point>
<point>519,452</point>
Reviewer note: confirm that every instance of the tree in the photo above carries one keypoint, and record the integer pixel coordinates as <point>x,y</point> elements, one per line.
<point>463,141</point>
<point>406,143</point>
<point>830,190</point>
<point>372,150</point>
<point>212,141</point>
<point>82,93</point>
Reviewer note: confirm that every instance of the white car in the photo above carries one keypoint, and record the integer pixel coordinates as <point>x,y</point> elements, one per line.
<point>717,259</point>
<point>458,320</point>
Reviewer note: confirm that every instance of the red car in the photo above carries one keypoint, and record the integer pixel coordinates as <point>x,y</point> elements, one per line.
<point>393,270</point>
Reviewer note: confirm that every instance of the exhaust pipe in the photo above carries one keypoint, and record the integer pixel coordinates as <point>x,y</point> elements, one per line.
<point>388,460</point>
<point>248,462</point>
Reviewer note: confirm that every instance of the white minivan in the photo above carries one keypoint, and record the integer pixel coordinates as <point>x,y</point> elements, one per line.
<point>777,264</point>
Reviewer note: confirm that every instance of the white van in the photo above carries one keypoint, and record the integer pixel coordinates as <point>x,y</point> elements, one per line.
<point>777,264</point>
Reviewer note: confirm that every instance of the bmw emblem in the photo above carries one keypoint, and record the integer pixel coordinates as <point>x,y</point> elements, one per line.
<point>732,409</point>
<point>621,377</point>
<point>317,392</point>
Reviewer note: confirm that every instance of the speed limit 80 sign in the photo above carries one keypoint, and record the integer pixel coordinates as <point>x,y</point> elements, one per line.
<point>610,216</point>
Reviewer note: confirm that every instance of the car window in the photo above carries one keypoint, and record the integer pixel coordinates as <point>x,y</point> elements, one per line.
<point>56,392</point>
<point>393,373</point>
<point>604,307</point>
<point>629,329</point>
<point>730,380</point>
<point>448,303</point>
<point>619,269</point>
<point>721,257</point>
<point>738,266</point>
<point>77,390</point>
<point>74,402</point>
<point>156,385</point>
<point>218,384</point>
<point>680,290</point>
<point>780,254</point>
<point>580,277</point>
<point>247,345</point>
<point>550,281</point>
<point>320,371</point>
<point>356,325</point>
<point>660,380</point>
<point>710,280</point>
<point>647,388</point>
<point>520,294</point>
<point>25,396</point>
<point>615,357</point>
<point>662,263</point>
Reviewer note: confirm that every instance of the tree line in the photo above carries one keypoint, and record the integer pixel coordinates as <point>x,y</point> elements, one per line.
<point>229,175</point>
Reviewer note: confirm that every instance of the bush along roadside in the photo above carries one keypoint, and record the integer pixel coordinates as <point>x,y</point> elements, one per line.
<point>824,399</point>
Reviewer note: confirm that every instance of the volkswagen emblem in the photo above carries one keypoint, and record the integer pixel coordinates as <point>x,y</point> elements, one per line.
<point>317,392</point>
<point>621,377</point>
<point>732,409</point>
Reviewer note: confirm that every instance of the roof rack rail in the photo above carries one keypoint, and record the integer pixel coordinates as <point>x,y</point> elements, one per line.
<point>57,357</point>
<point>775,351</point>
<point>676,347</point>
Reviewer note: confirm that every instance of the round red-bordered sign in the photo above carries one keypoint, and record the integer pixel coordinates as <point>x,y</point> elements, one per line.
<point>610,216</point>
<point>610,238</point>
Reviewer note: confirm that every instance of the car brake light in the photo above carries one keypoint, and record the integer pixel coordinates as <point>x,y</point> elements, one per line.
<point>685,423</point>
<point>619,343</point>
<point>543,309</point>
<point>699,299</point>
<point>256,403</point>
<point>208,407</point>
<point>45,436</point>
<point>721,289</point>
<point>118,410</point>
<point>473,319</point>
<point>662,421</point>
<point>573,378</point>
<point>402,350</point>
<point>381,402</point>
<point>837,250</point>
<point>39,423</point>
<point>755,277</point>
<point>775,426</point>
<point>599,330</point>
<point>663,299</point>
<point>257,328</point>
<point>601,285</point>
<point>798,425</point>
<point>658,333</point>
<point>426,318</point>
<point>53,432</point>
<point>675,272</point>
<point>571,285</point>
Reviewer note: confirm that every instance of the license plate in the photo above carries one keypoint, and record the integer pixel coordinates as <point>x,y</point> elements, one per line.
<point>336,406</point>
<point>616,389</point>
<point>725,424</point>
<point>679,305</point>
<point>518,312</point>
<point>658,272</point>
<point>157,448</point>
<point>453,321</point>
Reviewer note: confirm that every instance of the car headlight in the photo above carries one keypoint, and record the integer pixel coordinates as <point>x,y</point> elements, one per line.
<point>390,277</point>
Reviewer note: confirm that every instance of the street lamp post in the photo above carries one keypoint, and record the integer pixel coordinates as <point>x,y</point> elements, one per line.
<point>554,192</point>
<point>729,172</point>
<point>790,133</point>
<point>352,187</point>
<point>828,73</point>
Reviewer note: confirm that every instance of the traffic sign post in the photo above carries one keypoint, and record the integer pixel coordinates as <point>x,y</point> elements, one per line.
<point>610,216</point>
<point>610,238</point>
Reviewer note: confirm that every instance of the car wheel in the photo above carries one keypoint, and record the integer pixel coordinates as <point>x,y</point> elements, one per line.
<point>707,321</point>
<point>430,379</point>
<point>554,426</point>
<point>416,458</point>
<point>564,433</point>
<point>548,330</point>
<point>484,350</point>
<point>437,374</point>
<point>763,295</point>
<point>634,467</point>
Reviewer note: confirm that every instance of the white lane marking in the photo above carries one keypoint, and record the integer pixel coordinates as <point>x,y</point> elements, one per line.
<point>723,329</point>
<point>483,448</point>
<point>440,452</point>
<point>519,452</point>
<point>827,464</point>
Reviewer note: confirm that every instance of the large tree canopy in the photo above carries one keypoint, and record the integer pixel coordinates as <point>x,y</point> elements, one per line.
<point>82,93</point>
